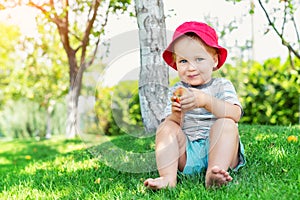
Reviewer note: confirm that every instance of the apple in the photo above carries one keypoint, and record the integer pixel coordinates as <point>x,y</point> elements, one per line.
<point>178,93</point>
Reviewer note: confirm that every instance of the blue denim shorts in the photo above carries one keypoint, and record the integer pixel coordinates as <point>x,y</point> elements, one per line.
<point>197,156</point>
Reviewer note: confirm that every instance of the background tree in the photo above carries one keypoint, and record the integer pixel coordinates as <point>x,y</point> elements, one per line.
<point>34,74</point>
<point>280,15</point>
<point>280,24</point>
<point>43,78</point>
<point>153,79</point>
<point>8,57</point>
<point>80,25</point>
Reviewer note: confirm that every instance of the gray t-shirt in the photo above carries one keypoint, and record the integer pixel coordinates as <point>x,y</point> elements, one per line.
<point>197,122</point>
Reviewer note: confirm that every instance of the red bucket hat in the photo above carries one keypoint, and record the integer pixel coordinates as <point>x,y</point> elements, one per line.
<point>205,32</point>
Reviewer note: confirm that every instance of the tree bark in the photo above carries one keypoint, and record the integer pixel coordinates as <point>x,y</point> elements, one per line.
<point>49,110</point>
<point>72,103</point>
<point>154,77</point>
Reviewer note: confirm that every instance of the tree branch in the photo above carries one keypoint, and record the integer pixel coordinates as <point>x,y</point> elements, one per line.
<point>62,25</point>
<point>98,40</point>
<point>284,18</point>
<point>296,29</point>
<point>42,9</point>
<point>89,26</point>
<point>277,32</point>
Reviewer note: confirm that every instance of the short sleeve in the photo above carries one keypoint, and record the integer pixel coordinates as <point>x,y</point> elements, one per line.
<point>227,92</point>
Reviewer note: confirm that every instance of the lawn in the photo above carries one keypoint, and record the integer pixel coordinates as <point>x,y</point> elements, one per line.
<point>68,169</point>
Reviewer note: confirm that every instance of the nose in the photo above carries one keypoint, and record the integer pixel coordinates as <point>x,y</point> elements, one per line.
<point>192,66</point>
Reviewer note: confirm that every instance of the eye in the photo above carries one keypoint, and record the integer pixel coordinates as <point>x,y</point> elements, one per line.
<point>199,59</point>
<point>182,61</point>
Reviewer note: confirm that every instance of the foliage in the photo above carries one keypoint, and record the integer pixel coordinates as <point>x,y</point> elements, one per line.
<point>64,169</point>
<point>38,78</point>
<point>27,119</point>
<point>80,25</point>
<point>42,77</point>
<point>8,58</point>
<point>269,93</point>
<point>118,109</point>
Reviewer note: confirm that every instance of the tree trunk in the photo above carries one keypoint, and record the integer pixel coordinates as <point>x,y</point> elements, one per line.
<point>49,111</point>
<point>77,63</point>
<point>72,114</point>
<point>154,77</point>
<point>72,106</point>
<point>72,98</point>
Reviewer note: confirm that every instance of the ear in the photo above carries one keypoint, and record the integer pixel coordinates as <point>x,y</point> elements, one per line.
<point>216,61</point>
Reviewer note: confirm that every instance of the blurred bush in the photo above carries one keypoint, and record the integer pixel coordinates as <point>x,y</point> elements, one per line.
<point>269,92</point>
<point>24,119</point>
<point>117,109</point>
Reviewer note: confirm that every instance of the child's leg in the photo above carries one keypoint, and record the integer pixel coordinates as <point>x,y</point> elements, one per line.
<point>223,152</point>
<point>170,155</point>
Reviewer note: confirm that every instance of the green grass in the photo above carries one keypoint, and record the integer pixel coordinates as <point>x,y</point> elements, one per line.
<point>66,169</point>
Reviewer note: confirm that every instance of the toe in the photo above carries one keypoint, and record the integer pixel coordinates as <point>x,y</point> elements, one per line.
<point>229,178</point>
<point>147,182</point>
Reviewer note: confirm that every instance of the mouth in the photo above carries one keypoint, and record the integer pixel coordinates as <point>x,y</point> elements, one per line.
<point>192,76</point>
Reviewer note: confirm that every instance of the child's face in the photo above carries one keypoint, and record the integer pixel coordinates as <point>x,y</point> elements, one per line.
<point>195,61</point>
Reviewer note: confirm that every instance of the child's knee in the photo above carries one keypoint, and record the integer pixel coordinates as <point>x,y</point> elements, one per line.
<point>225,125</point>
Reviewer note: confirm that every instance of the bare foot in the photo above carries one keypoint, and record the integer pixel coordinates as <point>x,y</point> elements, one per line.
<point>158,183</point>
<point>217,177</point>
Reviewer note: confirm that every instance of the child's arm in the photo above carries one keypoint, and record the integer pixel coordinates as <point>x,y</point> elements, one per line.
<point>220,108</point>
<point>176,115</point>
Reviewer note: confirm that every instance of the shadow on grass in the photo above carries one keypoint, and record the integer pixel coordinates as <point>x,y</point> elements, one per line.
<point>127,154</point>
<point>72,141</point>
<point>25,153</point>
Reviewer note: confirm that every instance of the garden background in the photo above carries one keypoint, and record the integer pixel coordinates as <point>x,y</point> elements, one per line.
<point>37,161</point>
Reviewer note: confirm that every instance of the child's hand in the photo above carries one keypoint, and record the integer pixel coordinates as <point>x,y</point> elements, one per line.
<point>192,98</point>
<point>177,114</point>
<point>178,93</point>
<point>176,98</point>
<point>176,106</point>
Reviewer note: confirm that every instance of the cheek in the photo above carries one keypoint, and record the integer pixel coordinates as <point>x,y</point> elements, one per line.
<point>206,67</point>
<point>181,73</point>
<point>180,69</point>
<point>210,64</point>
